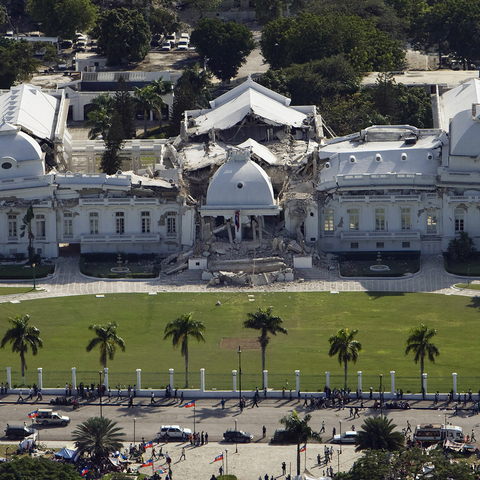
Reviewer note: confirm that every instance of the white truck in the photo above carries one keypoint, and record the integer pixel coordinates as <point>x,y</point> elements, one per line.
<point>46,416</point>
<point>435,432</point>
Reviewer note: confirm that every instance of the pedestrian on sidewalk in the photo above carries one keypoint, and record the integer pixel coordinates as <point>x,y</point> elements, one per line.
<point>409,428</point>
<point>152,397</point>
<point>322,430</point>
<point>472,438</point>
<point>284,468</point>
<point>183,454</point>
<point>20,396</point>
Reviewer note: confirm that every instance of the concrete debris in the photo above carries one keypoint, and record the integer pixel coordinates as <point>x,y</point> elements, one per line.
<point>177,269</point>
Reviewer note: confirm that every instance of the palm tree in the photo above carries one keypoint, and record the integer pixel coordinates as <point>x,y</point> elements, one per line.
<point>98,437</point>
<point>344,345</point>
<point>377,434</point>
<point>199,81</point>
<point>180,329</point>
<point>264,321</point>
<point>147,99</point>
<point>419,343</point>
<point>100,116</point>
<point>107,339</point>
<point>21,336</point>
<point>298,431</point>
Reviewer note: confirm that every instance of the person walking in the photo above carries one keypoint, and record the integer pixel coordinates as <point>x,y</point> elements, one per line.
<point>472,438</point>
<point>223,403</point>
<point>152,398</point>
<point>183,454</point>
<point>409,428</point>
<point>334,431</point>
<point>206,438</point>
<point>264,431</point>
<point>322,430</point>
<point>284,468</point>
<point>254,403</point>
<point>20,396</point>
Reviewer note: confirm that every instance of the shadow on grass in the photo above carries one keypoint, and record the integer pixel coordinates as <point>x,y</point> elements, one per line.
<point>376,295</point>
<point>474,302</point>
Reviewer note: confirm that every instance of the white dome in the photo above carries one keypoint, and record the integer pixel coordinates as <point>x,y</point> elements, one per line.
<point>240,183</point>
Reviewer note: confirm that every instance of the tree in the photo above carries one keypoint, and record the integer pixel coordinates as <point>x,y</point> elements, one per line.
<point>63,17</point>
<point>264,321</point>
<point>38,468</point>
<point>163,21</point>
<point>100,116</point>
<point>98,436</point>
<point>26,229</point>
<point>462,247</point>
<point>419,342</point>
<point>21,336</point>
<point>205,5</point>
<point>147,99</point>
<point>226,45</point>
<point>111,161</point>
<point>125,108</point>
<point>183,100</point>
<point>268,10</point>
<point>298,431</point>
<point>199,81</point>
<point>377,434</point>
<point>179,330</point>
<point>344,345</point>
<point>122,34</point>
<point>107,340</point>
<point>17,61</point>
<point>161,87</point>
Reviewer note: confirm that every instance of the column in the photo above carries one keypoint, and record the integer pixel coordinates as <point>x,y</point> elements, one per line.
<point>392,382</point>
<point>359,374</point>
<point>105,376</point>
<point>139,379</point>
<point>234,374</point>
<point>265,378</point>
<point>327,380</point>
<point>74,378</point>
<point>40,378</point>
<point>297,377</point>
<point>171,378</point>
<point>202,379</point>
<point>424,383</point>
<point>454,375</point>
<point>9,377</point>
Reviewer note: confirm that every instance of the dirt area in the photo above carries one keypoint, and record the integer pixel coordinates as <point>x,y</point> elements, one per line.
<point>233,343</point>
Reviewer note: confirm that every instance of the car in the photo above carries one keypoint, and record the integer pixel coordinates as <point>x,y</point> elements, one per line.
<point>237,436</point>
<point>183,44</point>
<point>175,432</point>
<point>166,46</point>
<point>19,431</point>
<point>346,437</point>
<point>46,416</point>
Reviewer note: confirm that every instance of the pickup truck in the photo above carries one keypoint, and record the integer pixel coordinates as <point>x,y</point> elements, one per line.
<point>47,416</point>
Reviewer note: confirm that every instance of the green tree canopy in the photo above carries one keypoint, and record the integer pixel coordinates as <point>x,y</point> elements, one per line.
<point>123,34</point>
<point>107,340</point>
<point>420,344</point>
<point>111,161</point>
<point>22,336</point>
<point>100,115</point>
<point>17,61</point>
<point>147,98</point>
<point>38,468</point>
<point>225,45</point>
<point>125,108</point>
<point>163,21</point>
<point>184,99</point>
<point>97,437</point>
<point>63,17</point>
<point>344,345</point>
<point>179,330</point>
<point>377,434</point>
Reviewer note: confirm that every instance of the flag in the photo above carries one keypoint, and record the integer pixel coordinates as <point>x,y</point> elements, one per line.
<point>304,447</point>
<point>147,464</point>
<point>160,471</point>
<point>149,445</point>
<point>33,414</point>
<point>190,404</point>
<point>217,459</point>
<point>84,472</point>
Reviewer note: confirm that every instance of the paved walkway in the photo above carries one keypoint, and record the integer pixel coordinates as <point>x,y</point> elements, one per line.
<point>68,280</point>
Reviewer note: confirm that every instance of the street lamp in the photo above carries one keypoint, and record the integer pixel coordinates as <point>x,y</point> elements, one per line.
<point>340,422</point>
<point>240,378</point>
<point>381,395</point>
<point>226,461</point>
<point>134,420</point>
<point>100,392</point>
<point>236,447</point>
<point>34,283</point>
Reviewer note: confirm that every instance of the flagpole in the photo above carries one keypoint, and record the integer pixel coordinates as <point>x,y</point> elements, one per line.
<point>305,455</point>
<point>194,417</point>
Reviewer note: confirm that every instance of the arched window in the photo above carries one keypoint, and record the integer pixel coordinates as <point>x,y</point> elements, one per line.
<point>459,220</point>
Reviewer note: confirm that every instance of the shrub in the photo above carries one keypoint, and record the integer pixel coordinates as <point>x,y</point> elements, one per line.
<point>462,247</point>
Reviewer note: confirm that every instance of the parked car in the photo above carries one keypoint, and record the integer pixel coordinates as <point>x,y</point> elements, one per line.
<point>166,46</point>
<point>19,431</point>
<point>46,416</point>
<point>237,436</point>
<point>346,437</point>
<point>175,432</point>
<point>183,44</point>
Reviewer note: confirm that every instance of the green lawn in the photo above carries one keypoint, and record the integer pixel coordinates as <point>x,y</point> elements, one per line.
<point>13,290</point>
<point>382,319</point>
<point>469,286</point>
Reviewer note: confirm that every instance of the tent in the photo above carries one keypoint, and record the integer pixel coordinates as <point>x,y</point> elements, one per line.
<point>66,453</point>
<point>306,475</point>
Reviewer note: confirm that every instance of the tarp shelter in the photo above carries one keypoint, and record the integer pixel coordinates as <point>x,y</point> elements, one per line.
<point>306,475</point>
<point>66,453</point>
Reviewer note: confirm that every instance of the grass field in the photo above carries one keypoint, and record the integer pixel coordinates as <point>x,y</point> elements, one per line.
<point>15,290</point>
<point>469,286</point>
<point>383,321</point>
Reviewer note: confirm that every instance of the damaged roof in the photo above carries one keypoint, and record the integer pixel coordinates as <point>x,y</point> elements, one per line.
<point>261,151</point>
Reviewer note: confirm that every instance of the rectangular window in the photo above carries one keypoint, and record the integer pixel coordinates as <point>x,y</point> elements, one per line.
<point>406,214</point>
<point>145,222</point>
<point>354,245</point>
<point>405,244</point>
<point>120,223</point>
<point>68,223</point>
<point>171,224</point>
<point>380,245</point>
<point>12,226</point>
<point>328,221</point>
<point>93,223</point>
<point>40,219</point>
<point>353,218</point>
<point>431,220</point>
<point>459,220</point>
<point>380,225</point>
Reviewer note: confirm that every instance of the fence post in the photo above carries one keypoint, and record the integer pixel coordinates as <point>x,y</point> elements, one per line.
<point>454,383</point>
<point>9,377</point>
<point>424,384</point>
<point>297,376</point>
<point>40,378</point>
<point>359,373</point>
<point>171,378</point>
<point>234,373</point>
<point>392,382</point>
<point>74,378</point>
<point>105,378</point>
<point>265,379</point>
<point>202,379</point>
<point>327,374</point>
<point>139,379</point>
